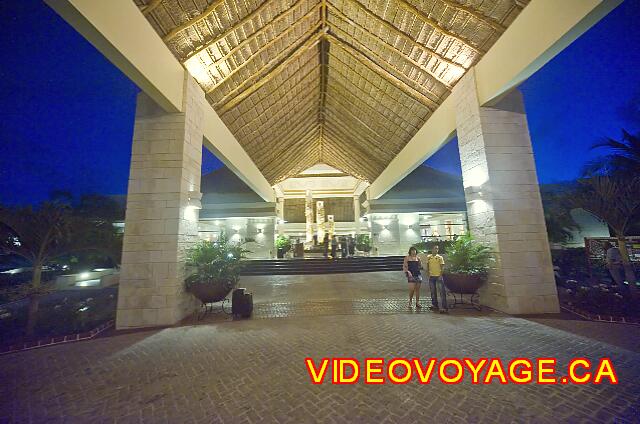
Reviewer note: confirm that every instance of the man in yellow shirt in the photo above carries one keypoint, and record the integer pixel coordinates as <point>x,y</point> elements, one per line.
<point>435,267</point>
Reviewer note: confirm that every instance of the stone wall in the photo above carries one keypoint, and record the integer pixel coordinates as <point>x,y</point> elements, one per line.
<point>160,223</point>
<point>503,200</point>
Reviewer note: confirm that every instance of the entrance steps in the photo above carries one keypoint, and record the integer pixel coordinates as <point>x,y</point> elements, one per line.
<point>322,265</point>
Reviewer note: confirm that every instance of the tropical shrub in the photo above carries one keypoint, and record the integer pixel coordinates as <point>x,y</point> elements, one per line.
<point>283,242</point>
<point>467,256</point>
<point>214,261</point>
<point>363,242</point>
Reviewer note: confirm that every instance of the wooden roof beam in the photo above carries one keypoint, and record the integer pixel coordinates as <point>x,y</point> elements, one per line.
<point>231,101</point>
<point>282,109</point>
<point>402,56</point>
<point>339,163</point>
<point>307,137</point>
<point>347,131</point>
<point>243,43</point>
<point>304,65</point>
<point>290,49</point>
<point>371,64</point>
<point>150,6</point>
<point>406,109</point>
<point>435,25</point>
<point>310,156</point>
<point>261,50</point>
<point>400,33</point>
<point>374,133</point>
<point>338,94</point>
<point>364,155</point>
<point>350,155</point>
<point>476,14</point>
<point>177,30</point>
<point>308,134</point>
<point>291,90</point>
<point>285,125</point>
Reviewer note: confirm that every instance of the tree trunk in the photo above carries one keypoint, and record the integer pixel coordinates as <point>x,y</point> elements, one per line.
<point>629,273</point>
<point>34,300</point>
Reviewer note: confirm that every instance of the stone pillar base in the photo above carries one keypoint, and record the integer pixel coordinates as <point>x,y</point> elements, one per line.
<point>162,217</point>
<point>504,207</point>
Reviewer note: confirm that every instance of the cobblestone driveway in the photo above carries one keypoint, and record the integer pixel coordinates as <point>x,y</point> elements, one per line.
<point>253,371</point>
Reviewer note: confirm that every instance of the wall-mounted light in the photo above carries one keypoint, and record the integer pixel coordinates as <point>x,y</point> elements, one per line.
<point>195,200</point>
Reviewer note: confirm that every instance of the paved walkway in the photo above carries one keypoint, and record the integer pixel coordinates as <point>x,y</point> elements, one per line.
<point>253,370</point>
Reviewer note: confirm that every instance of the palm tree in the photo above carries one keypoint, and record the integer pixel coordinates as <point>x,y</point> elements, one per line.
<point>557,214</point>
<point>623,161</point>
<point>40,235</point>
<point>615,201</point>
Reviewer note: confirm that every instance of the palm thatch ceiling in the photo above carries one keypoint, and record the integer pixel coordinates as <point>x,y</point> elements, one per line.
<point>342,82</point>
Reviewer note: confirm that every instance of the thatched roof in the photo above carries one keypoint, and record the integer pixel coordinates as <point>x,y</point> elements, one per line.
<point>342,82</point>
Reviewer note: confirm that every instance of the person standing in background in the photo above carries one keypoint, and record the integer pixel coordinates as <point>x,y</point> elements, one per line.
<point>435,267</point>
<point>351,244</point>
<point>615,266</point>
<point>334,247</point>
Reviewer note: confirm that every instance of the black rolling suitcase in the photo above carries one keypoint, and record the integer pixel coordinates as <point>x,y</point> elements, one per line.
<point>241,303</point>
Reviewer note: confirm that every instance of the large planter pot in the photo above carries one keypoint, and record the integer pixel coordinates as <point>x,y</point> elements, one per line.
<point>211,291</point>
<point>280,253</point>
<point>463,283</point>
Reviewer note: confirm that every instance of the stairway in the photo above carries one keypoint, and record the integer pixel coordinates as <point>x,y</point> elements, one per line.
<point>322,265</point>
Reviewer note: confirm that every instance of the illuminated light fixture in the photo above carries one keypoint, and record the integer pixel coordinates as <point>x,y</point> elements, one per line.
<point>216,222</point>
<point>281,221</point>
<point>194,200</point>
<point>84,275</point>
<point>476,177</point>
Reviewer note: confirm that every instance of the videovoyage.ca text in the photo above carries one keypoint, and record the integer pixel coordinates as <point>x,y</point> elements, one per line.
<point>458,370</point>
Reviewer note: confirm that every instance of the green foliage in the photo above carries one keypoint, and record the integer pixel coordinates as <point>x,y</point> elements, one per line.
<point>215,261</point>
<point>74,313</point>
<point>467,256</point>
<point>623,161</point>
<point>427,246</point>
<point>614,200</point>
<point>363,242</point>
<point>557,215</point>
<point>283,242</point>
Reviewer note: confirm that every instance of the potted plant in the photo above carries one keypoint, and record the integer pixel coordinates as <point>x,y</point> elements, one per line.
<point>363,242</point>
<point>283,244</point>
<point>467,265</point>
<point>215,268</point>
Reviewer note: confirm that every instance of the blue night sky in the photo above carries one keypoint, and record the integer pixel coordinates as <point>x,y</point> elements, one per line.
<point>67,113</point>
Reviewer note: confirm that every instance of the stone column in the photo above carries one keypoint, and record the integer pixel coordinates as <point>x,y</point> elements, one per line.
<point>309,216</point>
<point>503,200</point>
<point>280,215</point>
<point>162,211</point>
<point>356,213</point>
